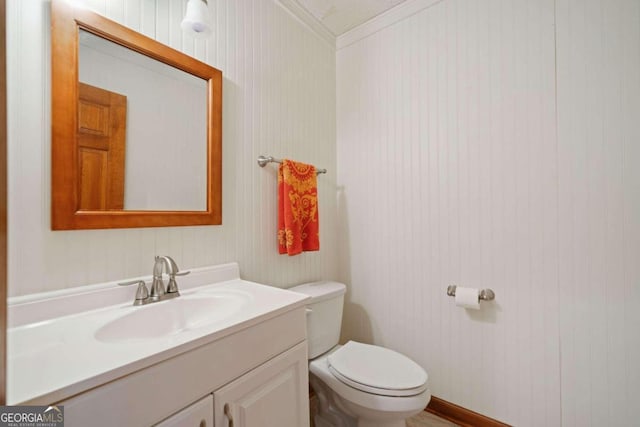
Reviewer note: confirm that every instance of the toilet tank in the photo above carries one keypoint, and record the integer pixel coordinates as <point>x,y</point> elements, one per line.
<point>324,314</point>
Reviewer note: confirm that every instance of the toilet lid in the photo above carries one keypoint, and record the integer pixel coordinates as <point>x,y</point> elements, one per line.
<point>377,370</point>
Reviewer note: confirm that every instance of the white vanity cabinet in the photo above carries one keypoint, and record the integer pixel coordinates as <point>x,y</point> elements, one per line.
<point>259,373</point>
<point>199,414</point>
<point>272,395</point>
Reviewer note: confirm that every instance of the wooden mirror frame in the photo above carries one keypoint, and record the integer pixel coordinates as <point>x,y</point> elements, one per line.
<point>66,21</point>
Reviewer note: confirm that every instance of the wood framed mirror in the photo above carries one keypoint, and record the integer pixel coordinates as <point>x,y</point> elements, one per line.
<point>136,128</point>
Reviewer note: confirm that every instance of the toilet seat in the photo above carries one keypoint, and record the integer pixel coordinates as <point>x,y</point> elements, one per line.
<point>377,370</point>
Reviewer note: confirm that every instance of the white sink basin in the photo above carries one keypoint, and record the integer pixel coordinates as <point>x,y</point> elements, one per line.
<point>165,318</point>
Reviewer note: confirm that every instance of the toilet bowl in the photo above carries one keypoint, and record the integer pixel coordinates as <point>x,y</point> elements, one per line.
<point>357,384</point>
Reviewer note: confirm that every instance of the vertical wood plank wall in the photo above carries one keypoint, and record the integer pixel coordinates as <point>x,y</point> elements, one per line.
<point>457,164</point>
<point>279,99</point>
<point>599,204</point>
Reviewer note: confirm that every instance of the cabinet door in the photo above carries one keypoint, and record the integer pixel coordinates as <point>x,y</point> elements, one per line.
<point>200,414</point>
<point>275,394</point>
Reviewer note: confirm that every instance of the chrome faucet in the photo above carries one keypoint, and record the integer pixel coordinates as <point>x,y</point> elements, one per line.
<point>157,286</point>
<point>158,291</point>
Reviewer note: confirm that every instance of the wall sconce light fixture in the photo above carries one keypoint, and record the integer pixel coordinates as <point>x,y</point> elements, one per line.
<point>196,19</point>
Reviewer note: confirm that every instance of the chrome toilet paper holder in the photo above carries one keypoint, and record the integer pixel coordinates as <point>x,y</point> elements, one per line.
<point>483,295</point>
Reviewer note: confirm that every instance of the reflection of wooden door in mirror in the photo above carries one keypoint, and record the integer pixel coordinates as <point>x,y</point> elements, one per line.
<point>101,148</point>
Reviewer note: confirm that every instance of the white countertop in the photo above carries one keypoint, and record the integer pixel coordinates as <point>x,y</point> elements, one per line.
<point>56,358</point>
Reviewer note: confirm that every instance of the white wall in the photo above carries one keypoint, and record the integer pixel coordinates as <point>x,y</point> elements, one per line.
<point>458,166</point>
<point>279,99</point>
<point>599,223</point>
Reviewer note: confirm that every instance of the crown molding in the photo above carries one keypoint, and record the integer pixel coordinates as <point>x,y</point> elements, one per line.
<point>308,20</point>
<point>386,19</point>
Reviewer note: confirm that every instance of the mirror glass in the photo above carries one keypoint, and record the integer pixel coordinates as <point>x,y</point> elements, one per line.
<point>151,121</point>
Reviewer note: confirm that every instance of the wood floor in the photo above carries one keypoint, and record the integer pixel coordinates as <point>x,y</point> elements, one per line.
<point>425,419</point>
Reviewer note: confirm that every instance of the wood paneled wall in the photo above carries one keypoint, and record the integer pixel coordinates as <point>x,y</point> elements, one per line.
<point>598,45</point>
<point>462,160</point>
<point>447,157</point>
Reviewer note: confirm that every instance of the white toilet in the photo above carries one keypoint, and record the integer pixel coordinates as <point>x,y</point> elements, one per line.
<point>357,384</point>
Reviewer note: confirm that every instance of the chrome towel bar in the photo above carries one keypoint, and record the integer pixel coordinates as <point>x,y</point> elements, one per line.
<point>484,295</point>
<point>263,160</point>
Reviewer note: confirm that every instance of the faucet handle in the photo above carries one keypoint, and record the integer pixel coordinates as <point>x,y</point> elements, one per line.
<point>182,273</point>
<point>141,293</point>
<point>172,287</point>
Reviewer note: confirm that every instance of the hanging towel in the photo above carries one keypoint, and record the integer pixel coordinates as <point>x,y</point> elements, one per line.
<point>297,208</point>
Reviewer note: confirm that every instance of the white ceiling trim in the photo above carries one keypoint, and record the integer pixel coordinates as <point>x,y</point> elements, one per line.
<point>307,19</point>
<point>390,17</point>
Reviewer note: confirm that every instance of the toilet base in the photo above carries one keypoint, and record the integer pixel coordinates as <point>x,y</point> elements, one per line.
<point>329,415</point>
<point>372,418</point>
<point>335,412</point>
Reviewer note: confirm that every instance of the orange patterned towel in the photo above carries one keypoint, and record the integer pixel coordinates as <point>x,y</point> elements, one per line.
<point>297,208</point>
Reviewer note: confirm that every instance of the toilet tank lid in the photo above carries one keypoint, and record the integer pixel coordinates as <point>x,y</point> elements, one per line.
<point>322,290</point>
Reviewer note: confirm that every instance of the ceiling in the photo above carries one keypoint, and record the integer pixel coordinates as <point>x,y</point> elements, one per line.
<point>339,16</point>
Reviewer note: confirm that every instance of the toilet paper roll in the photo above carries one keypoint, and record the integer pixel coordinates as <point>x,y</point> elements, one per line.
<point>467,298</point>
